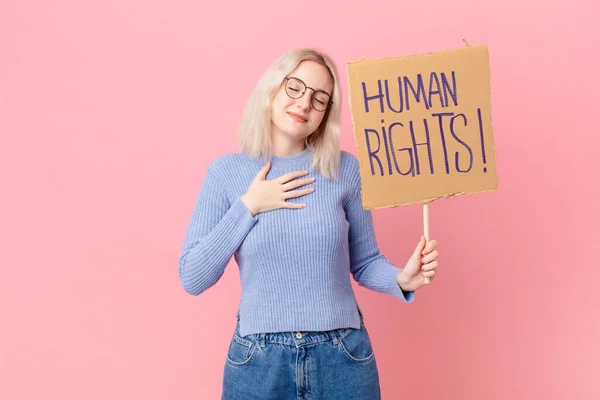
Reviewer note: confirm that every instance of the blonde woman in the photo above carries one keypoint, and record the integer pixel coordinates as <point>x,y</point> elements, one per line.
<point>288,208</point>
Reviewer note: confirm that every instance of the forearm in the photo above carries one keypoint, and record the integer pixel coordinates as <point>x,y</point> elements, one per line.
<point>204,259</point>
<point>382,276</point>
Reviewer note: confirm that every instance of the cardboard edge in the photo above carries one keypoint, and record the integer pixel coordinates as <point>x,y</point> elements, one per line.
<point>353,126</point>
<point>429,200</point>
<point>430,53</point>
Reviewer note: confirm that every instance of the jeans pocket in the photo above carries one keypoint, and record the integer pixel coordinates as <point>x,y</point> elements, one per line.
<point>355,344</point>
<point>241,350</point>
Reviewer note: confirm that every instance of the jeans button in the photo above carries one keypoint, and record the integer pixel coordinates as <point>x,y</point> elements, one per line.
<point>299,335</point>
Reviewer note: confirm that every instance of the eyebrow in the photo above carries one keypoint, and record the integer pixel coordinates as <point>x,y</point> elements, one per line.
<point>308,87</point>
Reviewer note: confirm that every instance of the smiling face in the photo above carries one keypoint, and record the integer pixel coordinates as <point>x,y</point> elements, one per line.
<point>297,118</point>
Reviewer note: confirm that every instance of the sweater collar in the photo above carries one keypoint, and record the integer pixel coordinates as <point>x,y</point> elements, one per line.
<point>299,159</point>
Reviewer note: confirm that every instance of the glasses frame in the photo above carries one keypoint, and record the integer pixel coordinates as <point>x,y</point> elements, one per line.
<point>287,79</point>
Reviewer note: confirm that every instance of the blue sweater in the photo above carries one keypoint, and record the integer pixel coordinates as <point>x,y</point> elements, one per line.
<point>294,264</point>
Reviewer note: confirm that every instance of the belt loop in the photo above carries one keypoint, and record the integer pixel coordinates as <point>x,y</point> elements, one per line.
<point>334,336</point>
<point>262,339</point>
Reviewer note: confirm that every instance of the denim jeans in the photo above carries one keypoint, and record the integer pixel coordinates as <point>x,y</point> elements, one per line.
<point>327,365</point>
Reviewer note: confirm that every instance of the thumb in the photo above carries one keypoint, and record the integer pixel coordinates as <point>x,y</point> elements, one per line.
<point>420,247</point>
<point>262,174</point>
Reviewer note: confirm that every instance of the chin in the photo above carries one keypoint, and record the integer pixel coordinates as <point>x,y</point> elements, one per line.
<point>293,130</point>
<point>295,133</point>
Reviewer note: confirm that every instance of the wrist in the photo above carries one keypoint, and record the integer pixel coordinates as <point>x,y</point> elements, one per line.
<point>248,204</point>
<point>401,280</point>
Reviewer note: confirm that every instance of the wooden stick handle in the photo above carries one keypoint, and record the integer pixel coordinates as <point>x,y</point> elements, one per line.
<point>426,229</point>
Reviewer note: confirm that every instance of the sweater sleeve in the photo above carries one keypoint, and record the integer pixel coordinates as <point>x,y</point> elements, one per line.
<point>369,267</point>
<point>215,231</point>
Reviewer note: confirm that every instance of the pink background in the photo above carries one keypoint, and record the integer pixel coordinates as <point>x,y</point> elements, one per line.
<point>111,110</point>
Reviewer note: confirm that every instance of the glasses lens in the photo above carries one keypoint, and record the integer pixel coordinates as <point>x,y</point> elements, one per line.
<point>320,101</point>
<point>294,88</point>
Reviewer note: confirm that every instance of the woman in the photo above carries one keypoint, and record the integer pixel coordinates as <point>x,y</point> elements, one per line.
<point>288,208</point>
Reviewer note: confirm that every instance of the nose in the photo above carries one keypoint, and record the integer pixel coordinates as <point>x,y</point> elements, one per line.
<point>305,100</point>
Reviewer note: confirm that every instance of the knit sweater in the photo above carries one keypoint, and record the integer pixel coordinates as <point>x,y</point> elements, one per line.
<point>294,264</point>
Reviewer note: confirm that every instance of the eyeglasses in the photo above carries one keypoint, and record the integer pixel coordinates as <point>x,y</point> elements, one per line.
<point>295,88</point>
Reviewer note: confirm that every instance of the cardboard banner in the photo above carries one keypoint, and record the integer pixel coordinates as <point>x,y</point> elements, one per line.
<point>422,126</point>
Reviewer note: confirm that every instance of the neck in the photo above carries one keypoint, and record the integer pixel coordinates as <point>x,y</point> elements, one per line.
<point>289,153</point>
<point>282,146</point>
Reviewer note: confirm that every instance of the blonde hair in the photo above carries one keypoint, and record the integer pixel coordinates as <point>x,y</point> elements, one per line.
<point>255,124</point>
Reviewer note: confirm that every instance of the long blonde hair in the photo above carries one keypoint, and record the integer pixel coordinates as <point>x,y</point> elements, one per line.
<point>255,124</point>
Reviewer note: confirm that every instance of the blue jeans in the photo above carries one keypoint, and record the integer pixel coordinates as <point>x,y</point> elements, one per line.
<point>328,365</point>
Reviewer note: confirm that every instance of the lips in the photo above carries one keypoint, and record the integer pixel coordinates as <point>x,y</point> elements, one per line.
<point>298,117</point>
